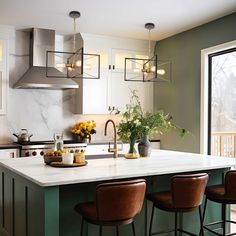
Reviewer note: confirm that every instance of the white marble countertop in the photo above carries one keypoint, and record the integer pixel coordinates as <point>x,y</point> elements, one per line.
<point>160,163</point>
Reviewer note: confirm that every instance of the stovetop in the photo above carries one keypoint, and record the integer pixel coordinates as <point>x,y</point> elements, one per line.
<point>39,148</point>
<point>49,142</point>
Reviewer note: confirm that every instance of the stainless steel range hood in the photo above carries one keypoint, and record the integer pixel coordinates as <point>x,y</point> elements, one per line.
<point>41,41</point>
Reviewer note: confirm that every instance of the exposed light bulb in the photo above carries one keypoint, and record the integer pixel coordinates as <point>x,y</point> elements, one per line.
<point>153,68</point>
<point>78,63</point>
<point>161,72</point>
<point>60,65</point>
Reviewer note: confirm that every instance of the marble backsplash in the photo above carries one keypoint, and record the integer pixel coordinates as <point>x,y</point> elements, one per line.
<point>42,112</point>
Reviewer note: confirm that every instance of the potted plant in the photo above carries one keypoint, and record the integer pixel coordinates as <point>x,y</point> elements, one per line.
<point>138,125</point>
<point>83,131</point>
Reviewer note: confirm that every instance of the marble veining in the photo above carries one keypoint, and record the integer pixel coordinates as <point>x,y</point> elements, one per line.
<point>160,163</point>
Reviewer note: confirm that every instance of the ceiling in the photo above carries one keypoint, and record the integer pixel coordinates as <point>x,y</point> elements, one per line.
<point>125,18</point>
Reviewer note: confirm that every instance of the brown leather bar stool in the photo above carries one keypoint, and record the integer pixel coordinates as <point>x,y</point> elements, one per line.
<point>116,204</point>
<point>186,195</point>
<point>223,194</point>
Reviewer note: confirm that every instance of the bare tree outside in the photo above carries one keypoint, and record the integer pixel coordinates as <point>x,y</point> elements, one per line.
<point>223,104</point>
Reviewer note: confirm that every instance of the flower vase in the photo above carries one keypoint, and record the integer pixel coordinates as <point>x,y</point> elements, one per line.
<point>144,147</point>
<point>81,139</point>
<point>132,154</point>
<point>85,140</point>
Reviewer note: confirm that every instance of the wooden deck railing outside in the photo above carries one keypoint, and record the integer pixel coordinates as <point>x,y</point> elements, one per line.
<point>223,144</point>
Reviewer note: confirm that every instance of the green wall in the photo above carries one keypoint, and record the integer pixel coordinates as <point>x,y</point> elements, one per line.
<point>181,97</point>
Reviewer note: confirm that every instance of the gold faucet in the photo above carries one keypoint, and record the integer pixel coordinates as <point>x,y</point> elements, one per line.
<point>115,149</point>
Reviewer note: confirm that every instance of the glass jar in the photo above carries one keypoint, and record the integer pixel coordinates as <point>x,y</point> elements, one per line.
<point>79,156</point>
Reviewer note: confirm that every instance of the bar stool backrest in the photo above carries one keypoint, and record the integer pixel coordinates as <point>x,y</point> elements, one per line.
<point>188,190</point>
<point>120,200</point>
<point>230,184</point>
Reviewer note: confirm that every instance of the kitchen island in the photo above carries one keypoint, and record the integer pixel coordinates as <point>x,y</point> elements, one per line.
<point>38,200</point>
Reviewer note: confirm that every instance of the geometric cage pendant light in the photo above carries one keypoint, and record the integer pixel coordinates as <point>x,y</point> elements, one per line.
<point>73,64</point>
<point>149,68</point>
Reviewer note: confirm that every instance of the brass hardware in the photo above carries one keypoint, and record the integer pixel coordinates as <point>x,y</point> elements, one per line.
<point>109,67</point>
<point>113,67</point>
<point>115,149</point>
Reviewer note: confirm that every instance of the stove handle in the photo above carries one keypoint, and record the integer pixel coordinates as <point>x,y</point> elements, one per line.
<point>12,154</point>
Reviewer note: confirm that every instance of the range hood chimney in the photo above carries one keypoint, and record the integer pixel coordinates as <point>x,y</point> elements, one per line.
<point>41,41</point>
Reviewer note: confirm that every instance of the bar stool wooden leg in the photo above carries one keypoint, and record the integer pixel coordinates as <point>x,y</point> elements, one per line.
<point>117,230</point>
<point>150,228</point>
<point>133,227</point>
<point>100,230</point>
<point>82,227</point>
<point>176,223</point>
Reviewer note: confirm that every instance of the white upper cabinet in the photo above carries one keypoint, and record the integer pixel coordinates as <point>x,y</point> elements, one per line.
<point>118,59</point>
<point>95,91</point>
<point>111,91</point>
<point>3,76</point>
<point>120,93</point>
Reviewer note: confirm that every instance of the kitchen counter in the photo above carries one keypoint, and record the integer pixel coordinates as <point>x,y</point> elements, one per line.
<point>9,146</point>
<point>160,163</point>
<point>41,198</point>
<point>119,142</point>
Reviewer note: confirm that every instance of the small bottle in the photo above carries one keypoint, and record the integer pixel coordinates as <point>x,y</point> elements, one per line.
<point>82,156</point>
<point>58,142</point>
<point>79,156</point>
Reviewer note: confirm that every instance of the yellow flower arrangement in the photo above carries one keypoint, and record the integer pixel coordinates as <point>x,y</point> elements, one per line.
<point>84,129</point>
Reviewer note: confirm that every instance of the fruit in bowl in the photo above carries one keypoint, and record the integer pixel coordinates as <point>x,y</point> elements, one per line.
<point>54,156</point>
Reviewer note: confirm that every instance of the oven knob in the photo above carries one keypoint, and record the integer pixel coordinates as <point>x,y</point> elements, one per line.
<point>27,154</point>
<point>42,153</point>
<point>34,153</point>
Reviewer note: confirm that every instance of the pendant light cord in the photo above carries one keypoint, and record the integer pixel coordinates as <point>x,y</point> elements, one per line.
<point>74,30</point>
<point>149,43</point>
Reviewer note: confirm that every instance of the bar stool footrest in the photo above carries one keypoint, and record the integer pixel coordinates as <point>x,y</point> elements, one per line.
<point>178,230</point>
<point>218,222</point>
<point>163,232</point>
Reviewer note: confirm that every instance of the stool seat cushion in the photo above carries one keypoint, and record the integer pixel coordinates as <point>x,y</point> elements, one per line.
<point>87,210</point>
<point>218,194</point>
<point>164,201</point>
<point>161,199</point>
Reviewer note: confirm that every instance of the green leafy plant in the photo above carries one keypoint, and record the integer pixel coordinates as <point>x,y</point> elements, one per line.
<point>136,123</point>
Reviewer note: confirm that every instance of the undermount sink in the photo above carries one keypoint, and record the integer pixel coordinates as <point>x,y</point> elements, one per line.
<point>100,156</point>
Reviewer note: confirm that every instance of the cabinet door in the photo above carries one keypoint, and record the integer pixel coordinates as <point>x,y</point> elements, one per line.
<point>95,90</point>
<point>9,153</point>
<point>120,92</point>
<point>118,60</point>
<point>3,76</point>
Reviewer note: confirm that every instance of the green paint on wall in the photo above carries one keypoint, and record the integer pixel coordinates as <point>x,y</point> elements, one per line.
<point>181,97</point>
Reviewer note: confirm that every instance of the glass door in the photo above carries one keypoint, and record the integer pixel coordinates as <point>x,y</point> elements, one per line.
<point>222,103</point>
